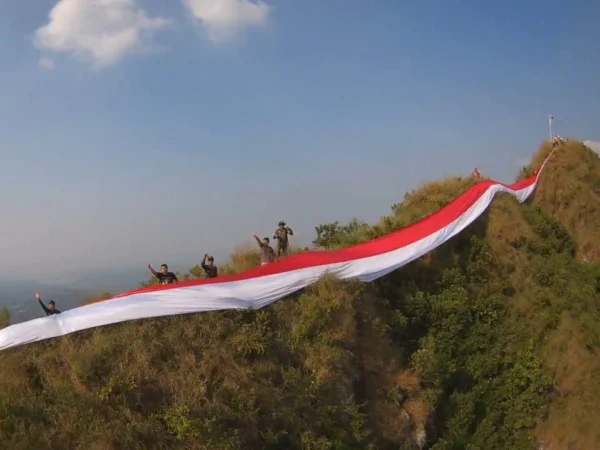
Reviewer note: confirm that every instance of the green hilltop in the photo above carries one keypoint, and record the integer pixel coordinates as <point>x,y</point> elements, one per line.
<point>489,342</point>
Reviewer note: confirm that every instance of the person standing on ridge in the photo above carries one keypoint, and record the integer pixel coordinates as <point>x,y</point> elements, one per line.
<point>164,277</point>
<point>556,141</point>
<point>50,310</point>
<point>267,254</point>
<point>281,234</point>
<point>210,269</point>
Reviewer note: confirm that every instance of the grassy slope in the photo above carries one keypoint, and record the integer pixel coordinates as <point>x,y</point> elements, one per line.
<point>488,342</point>
<point>571,193</point>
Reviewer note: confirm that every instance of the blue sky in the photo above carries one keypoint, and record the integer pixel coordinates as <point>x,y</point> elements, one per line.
<point>128,138</point>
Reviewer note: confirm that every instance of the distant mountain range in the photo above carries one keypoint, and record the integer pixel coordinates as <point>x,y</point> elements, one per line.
<point>19,298</point>
<point>68,290</point>
<point>113,280</point>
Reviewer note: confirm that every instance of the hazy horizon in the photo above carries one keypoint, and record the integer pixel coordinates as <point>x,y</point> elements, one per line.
<point>158,131</point>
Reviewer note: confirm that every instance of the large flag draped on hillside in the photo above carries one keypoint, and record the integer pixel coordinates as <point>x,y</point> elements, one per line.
<point>264,285</point>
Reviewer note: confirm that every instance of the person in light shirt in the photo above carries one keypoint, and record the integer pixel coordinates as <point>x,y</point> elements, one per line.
<point>267,254</point>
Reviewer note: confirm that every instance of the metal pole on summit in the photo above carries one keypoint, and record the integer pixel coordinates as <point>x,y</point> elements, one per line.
<point>550,119</point>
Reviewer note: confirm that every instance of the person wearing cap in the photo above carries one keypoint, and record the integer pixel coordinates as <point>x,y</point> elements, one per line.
<point>267,254</point>
<point>210,269</point>
<point>281,234</point>
<point>50,310</point>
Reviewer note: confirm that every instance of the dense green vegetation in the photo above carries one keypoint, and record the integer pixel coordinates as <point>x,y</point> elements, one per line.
<point>489,342</point>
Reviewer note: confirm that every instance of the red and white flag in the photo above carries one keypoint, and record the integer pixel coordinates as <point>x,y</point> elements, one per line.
<point>263,285</point>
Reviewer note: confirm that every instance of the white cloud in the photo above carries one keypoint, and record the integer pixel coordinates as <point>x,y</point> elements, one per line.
<point>223,19</point>
<point>100,31</point>
<point>594,145</point>
<point>46,63</point>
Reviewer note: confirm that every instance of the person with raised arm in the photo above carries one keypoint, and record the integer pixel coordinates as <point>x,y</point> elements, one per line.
<point>164,277</point>
<point>210,269</point>
<point>281,234</point>
<point>267,254</point>
<point>50,310</point>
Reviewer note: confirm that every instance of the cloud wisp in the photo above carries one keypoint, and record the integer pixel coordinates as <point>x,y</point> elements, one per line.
<point>102,32</point>
<point>594,145</point>
<point>46,63</point>
<point>223,20</point>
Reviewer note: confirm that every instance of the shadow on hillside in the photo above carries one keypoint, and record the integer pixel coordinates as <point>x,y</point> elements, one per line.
<point>426,272</point>
<point>396,293</point>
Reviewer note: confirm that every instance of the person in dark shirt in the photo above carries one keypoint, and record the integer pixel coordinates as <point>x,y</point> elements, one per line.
<point>50,310</point>
<point>281,234</point>
<point>164,277</point>
<point>210,269</point>
<point>267,254</point>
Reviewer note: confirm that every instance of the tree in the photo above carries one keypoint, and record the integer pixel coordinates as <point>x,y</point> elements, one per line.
<point>334,235</point>
<point>4,317</point>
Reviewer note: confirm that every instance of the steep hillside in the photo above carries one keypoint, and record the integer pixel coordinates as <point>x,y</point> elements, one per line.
<point>570,192</point>
<point>489,342</point>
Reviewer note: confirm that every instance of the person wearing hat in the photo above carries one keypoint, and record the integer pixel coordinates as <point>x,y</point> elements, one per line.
<point>281,234</point>
<point>50,309</point>
<point>210,269</point>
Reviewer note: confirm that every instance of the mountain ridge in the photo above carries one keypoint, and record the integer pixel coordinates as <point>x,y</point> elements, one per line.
<point>487,342</point>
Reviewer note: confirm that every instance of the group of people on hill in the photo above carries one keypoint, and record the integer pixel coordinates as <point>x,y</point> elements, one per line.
<point>267,255</point>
